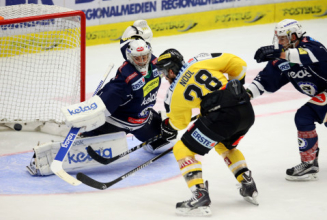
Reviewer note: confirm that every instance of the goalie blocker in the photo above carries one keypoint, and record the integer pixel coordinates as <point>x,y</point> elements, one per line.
<point>108,146</point>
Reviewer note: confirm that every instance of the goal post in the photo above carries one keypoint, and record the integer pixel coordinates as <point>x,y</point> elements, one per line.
<point>42,62</point>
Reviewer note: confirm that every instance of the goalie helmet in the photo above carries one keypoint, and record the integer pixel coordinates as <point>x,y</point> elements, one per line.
<point>139,54</point>
<point>287,28</point>
<point>170,59</point>
<point>139,28</point>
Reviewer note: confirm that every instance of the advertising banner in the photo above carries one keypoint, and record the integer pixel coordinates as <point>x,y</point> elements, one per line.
<point>114,11</point>
<point>107,19</point>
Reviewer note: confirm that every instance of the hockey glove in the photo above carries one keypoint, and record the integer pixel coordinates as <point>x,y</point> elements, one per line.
<point>87,115</point>
<point>168,133</point>
<point>267,53</point>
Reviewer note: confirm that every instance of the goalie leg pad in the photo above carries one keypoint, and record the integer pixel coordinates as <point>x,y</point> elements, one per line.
<point>108,145</point>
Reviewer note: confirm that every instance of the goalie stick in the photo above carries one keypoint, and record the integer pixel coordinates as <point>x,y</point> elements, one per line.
<point>98,185</point>
<point>106,161</point>
<point>56,165</point>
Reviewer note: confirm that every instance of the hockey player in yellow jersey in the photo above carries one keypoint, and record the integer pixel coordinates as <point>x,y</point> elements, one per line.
<point>226,116</point>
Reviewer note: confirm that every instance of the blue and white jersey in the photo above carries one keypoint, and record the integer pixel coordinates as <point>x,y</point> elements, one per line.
<point>129,96</point>
<point>306,70</point>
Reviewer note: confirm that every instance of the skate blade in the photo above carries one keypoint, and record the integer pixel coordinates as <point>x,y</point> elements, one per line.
<point>307,177</point>
<point>32,171</point>
<point>200,211</point>
<point>253,199</point>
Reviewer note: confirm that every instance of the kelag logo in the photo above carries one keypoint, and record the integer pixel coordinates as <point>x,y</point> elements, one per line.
<point>82,157</point>
<point>68,141</point>
<point>80,109</point>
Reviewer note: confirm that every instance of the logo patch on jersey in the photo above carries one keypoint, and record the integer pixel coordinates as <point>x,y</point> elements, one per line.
<point>150,86</point>
<point>284,66</point>
<point>151,98</point>
<point>130,77</point>
<point>203,139</point>
<point>136,120</point>
<point>300,74</point>
<point>319,99</point>
<point>305,40</point>
<point>186,77</point>
<point>302,51</point>
<point>203,56</point>
<point>308,88</point>
<point>274,62</point>
<point>145,112</point>
<point>303,144</point>
<point>155,73</point>
<point>154,62</point>
<point>138,84</point>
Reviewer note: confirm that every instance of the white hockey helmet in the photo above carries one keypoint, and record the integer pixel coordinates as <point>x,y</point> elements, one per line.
<point>139,28</point>
<point>287,27</point>
<point>139,54</point>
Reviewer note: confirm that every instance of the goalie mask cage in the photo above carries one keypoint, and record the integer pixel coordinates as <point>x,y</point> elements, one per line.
<point>42,62</point>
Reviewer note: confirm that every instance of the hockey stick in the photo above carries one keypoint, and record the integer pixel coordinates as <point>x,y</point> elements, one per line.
<point>56,165</point>
<point>98,185</point>
<point>106,161</point>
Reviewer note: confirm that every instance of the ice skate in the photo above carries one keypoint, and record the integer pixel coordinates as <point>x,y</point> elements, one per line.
<point>305,171</point>
<point>249,190</point>
<point>32,168</point>
<point>198,205</point>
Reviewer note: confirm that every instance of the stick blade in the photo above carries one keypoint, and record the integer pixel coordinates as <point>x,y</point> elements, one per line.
<point>90,182</point>
<point>97,157</point>
<point>56,167</point>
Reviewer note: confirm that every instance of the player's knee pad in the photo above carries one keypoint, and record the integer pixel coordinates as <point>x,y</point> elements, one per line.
<point>305,119</point>
<point>181,151</point>
<point>221,149</point>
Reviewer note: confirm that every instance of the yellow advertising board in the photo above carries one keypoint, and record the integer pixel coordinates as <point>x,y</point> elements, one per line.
<point>217,19</point>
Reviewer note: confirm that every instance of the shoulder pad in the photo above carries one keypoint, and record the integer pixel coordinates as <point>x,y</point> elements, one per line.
<point>122,66</point>
<point>154,60</point>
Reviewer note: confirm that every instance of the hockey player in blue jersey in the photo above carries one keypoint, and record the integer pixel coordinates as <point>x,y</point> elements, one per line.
<point>302,61</point>
<point>129,97</point>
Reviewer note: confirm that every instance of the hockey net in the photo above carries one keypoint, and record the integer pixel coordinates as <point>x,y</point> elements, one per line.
<point>42,64</point>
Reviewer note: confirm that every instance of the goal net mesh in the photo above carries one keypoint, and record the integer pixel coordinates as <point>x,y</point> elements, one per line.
<point>41,69</point>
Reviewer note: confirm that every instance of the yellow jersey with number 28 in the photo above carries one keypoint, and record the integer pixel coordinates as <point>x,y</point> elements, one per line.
<point>201,75</point>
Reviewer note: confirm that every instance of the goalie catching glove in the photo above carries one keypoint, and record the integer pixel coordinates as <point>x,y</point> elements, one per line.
<point>168,133</point>
<point>267,53</point>
<point>87,115</point>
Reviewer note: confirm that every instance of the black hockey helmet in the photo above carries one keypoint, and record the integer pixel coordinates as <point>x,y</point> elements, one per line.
<point>170,59</point>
